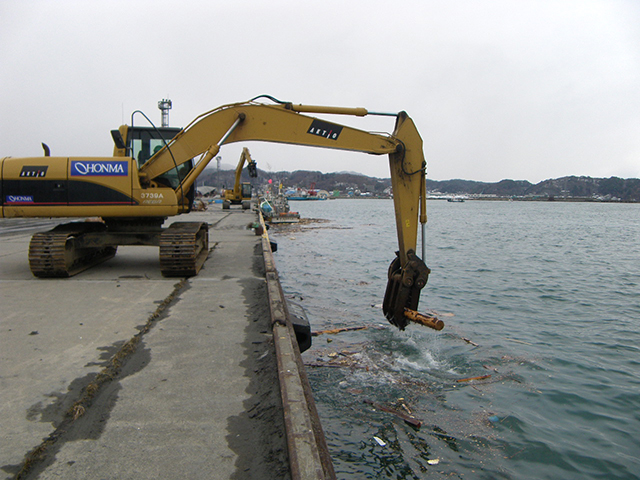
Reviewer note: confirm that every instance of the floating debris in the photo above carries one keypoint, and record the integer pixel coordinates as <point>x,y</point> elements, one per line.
<point>440,314</point>
<point>380,442</point>
<point>404,406</point>
<point>338,330</point>
<point>410,419</point>
<point>329,365</point>
<point>423,319</point>
<point>481,377</point>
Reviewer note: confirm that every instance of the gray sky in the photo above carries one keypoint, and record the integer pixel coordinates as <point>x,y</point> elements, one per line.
<point>517,89</point>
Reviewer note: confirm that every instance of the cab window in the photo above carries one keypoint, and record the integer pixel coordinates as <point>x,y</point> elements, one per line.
<point>145,142</point>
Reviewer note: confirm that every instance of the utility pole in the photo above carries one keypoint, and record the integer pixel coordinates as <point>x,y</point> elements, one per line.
<point>218,160</point>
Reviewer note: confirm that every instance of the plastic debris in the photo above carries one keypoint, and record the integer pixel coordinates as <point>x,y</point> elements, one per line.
<point>381,442</point>
<point>434,461</point>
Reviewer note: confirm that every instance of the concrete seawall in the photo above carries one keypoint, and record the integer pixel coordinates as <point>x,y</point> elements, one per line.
<point>121,373</point>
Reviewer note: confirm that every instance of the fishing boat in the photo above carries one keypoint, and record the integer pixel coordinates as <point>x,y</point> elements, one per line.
<point>311,194</point>
<point>275,210</point>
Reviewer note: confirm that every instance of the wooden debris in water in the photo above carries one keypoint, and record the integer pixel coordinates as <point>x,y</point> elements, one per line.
<point>338,330</point>
<point>320,364</point>
<point>342,359</point>
<point>410,419</point>
<point>404,406</point>
<point>481,377</point>
<point>423,319</point>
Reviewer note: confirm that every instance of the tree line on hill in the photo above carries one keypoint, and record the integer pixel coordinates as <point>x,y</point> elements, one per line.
<point>300,178</point>
<point>613,188</point>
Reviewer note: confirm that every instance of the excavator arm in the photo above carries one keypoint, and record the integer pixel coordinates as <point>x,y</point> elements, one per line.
<point>286,123</point>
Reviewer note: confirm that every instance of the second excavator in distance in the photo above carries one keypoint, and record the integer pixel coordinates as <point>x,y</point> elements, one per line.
<point>152,173</point>
<point>241,192</point>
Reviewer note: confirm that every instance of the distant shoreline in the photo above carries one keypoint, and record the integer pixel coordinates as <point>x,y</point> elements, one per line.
<point>494,199</point>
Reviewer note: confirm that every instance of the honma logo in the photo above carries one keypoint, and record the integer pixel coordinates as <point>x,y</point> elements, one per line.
<point>81,168</point>
<point>19,198</point>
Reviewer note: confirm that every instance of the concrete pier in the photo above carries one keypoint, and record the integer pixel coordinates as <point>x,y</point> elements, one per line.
<point>119,373</point>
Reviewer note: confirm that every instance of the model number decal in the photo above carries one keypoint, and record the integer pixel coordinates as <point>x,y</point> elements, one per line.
<point>151,195</point>
<point>99,169</point>
<point>34,171</point>
<point>325,129</point>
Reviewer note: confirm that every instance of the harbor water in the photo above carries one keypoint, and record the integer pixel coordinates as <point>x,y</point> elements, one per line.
<point>541,302</point>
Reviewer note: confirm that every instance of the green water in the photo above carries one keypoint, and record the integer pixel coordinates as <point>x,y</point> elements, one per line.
<point>549,292</point>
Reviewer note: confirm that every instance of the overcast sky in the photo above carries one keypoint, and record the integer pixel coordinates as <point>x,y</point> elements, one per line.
<point>518,89</point>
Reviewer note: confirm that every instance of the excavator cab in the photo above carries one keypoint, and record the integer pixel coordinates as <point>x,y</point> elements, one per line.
<point>245,190</point>
<point>143,142</point>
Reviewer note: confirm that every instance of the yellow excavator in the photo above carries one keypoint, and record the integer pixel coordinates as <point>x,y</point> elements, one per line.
<point>152,174</point>
<point>241,193</point>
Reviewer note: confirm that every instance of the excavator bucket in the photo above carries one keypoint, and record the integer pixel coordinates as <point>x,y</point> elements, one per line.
<point>252,168</point>
<point>403,288</point>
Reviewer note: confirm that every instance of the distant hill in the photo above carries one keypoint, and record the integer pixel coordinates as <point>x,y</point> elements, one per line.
<point>613,188</point>
<point>342,181</point>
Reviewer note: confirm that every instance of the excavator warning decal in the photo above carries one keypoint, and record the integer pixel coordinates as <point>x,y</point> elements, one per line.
<point>325,129</point>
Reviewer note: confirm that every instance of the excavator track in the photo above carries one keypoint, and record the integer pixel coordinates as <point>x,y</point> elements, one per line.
<point>59,253</point>
<point>184,247</point>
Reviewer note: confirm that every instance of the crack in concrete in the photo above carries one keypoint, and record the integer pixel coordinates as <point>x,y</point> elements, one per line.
<point>129,359</point>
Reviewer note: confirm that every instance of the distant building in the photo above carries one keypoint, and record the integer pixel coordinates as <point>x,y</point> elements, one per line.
<point>205,191</point>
